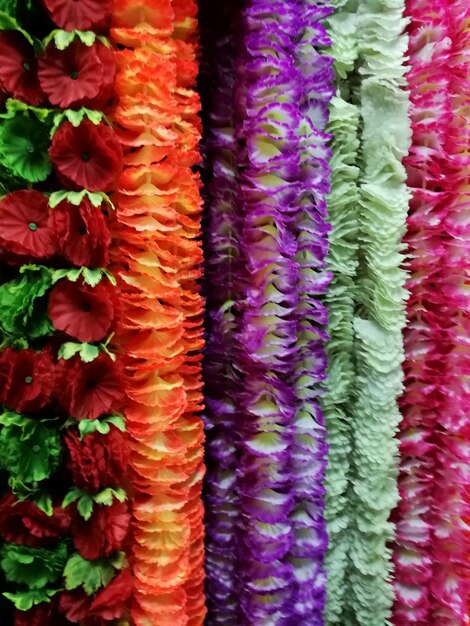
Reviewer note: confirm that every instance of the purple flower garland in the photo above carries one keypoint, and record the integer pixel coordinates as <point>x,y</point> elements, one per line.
<point>266,360</point>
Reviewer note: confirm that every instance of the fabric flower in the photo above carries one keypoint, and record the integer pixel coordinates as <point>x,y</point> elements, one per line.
<point>83,15</point>
<point>97,461</point>
<point>25,523</point>
<point>26,379</point>
<point>83,312</point>
<point>82,233</point>
<point>25,224</point>
<point>108,604</point>
<point>88,155</point>
<point>92,388</point>
<point>78,75</point>
<point>18,68</point>
<point>105,531</point>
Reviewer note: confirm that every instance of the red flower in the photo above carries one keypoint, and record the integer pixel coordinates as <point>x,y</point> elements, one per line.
<point>26,379</point>
<point>18,68</point>
<point>25,523</point>
<point>82,233</point>
<point>77,76</point>
<point>92,388</point>
<point>25,224</point>
<point>83,15</point>
<point>104,533</point>
<point>88,155</point>
<point>83,312</point>
<point>97,461</point>
<point>108,604</point>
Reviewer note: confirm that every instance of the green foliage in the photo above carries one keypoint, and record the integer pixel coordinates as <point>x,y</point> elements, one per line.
<point>76,117</point>
<point>23,305</point>
<point>102,425</point>
<point>63,38</point>
<point>91,575</point>
<point>33,567</point>
<point>85,501</point>
<point>25,600</point>
<point>87,351</point>
<point>24,144</point>
<point>75,198</point>
<point>30,448</point>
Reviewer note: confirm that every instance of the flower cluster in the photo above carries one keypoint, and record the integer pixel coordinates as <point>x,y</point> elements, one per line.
<point>157,261</point>
<point>266,359</point>
<point>431,550</point>
<point>65,518</point>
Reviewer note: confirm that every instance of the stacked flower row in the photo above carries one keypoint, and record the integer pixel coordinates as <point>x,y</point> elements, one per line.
<point>266,360</point>
<point>432,516</point>
<point>158,257</point>
<point>65,450</point>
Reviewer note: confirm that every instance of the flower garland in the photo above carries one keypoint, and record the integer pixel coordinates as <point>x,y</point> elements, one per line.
<point>157,258</point>
<point>266,447</point>
<point>380,311</point>
<point>431,564</point>
<point>64,519</point>
<point>340,301</point>
<point>224,288</point>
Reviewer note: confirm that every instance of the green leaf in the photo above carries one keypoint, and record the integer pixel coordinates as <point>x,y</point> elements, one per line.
<point>71,496</point>
<point>118,421</point>
<point>44,502</point>
<point>24,145</point>
<point>85,506</point>
<point>57,197</point>
<point>30,448</point>
<point>89,352</point>
<point>91,575</point>
<point>68,350</point>
<point>107,496</point>
<point>33,567</point>
<point>62,38</point>
<point>110,277</point>
<point>87,37</point>
<point>92,276</point>
<point>17,106</point>
<point>7,22</point>
<point>72,275</point>
<point>25,600</point>
<point>23,305</point>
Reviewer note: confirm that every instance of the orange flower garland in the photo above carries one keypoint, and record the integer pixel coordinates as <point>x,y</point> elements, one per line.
<point>158,257</point>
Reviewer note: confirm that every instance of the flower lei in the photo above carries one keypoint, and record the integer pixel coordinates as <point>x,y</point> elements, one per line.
<point>64,518</point>
<point>157,260</point>
<point>431,564</point>
<point>267,241</point>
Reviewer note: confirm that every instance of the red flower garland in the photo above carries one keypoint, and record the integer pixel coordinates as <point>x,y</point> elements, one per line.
<point>97,461</point>
<point>83,312</point>
<point>78,76</point>
<point>105,531</point>
<point>18,68</point>
<point>27,379</point>
<point>88,156</point>
<point>82,233</point>
<point>26,226</point>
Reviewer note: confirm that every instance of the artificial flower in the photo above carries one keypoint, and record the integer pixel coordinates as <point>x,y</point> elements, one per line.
<point>24,145</point>
<point>25,224</point>
<point>108,604</point>
<point>83,312</point>
<point>92,388</point>
<point>105,531</point>
<point>82,233</point>
<point>97,461</point>
<point>82,15</point>
<point>77,76</point>
<point>18,68</point>
<point>88,155</point>
<point>27,379</point>
<point>43,614</point>
<point>25,523</point>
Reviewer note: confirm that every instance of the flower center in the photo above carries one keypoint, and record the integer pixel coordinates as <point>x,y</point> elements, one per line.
<point>86,307</point>
<point>32,226</point>
<point>26,66</point>
<point>82,230</point>
<point>90,384</point>
<point>36,449</point>
<point>28,380</point>
<point>85,156</point>
<point>74,75</point>
<point>30,149</point>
